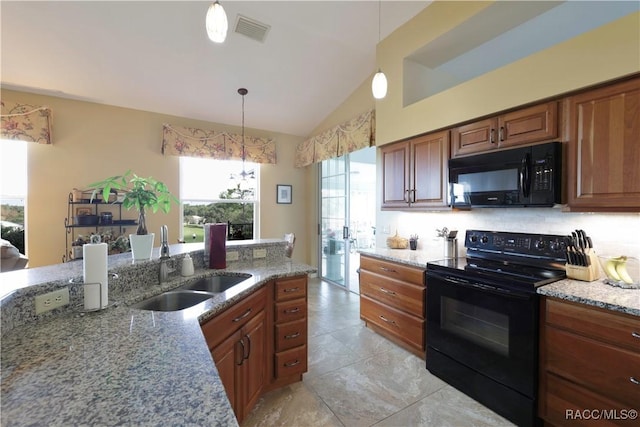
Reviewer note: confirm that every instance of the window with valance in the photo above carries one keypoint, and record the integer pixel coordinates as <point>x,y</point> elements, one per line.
<point>192,142</point>
<point>347,137</point>
<point>25,122</point>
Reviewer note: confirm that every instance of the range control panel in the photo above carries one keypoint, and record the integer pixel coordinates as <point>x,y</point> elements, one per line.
<point>539,245</point>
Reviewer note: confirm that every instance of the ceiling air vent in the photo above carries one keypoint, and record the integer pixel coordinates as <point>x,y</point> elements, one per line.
<point>251,28</point>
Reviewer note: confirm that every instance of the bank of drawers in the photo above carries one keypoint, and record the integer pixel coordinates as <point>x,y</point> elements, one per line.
<point>392,301</point>
<point>589,359</point>
<point>290,326</point>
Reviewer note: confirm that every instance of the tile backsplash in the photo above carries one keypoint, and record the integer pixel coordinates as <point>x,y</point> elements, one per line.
<point>612,233</point>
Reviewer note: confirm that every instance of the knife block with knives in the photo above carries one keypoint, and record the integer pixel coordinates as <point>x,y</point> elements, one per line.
<point>582,262</point>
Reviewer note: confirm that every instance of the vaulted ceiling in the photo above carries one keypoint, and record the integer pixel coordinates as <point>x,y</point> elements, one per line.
<point>155,56</point>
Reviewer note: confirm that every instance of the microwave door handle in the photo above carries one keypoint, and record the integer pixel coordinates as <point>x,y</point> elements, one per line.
<point>525,175</point>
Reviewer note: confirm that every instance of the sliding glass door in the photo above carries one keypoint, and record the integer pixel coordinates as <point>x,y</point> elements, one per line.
<point>347,215</point>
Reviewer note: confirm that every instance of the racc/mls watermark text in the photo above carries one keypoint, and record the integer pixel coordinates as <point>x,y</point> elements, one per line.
<point>600,414</point>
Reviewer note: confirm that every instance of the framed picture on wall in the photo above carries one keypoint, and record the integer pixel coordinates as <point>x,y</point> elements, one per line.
<point>283,194</point>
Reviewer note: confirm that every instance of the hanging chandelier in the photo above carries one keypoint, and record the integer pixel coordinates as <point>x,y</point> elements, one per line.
<point>216,23</point>
<point>379,82</point>
<point>242,180</point>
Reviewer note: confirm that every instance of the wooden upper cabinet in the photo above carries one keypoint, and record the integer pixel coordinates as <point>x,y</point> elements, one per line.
<point>533,124</point>
<point>528,125</point>
<point>474,137</point>
<point>395,175</point>
<point>428,170</point>
<point>414,172</point>
<point>604,148</point>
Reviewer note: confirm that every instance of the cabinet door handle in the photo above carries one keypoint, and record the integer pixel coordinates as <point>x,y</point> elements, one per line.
<point>249,348</point>
<point>290,364</point>
<point>388,270</point>
<point>501,133</point>
<point>384,319</point>
<point>242,355</point>
<point>291,290</point>
<point>388,292</point>
<point>635,334</point>
<point>492,138</point>
<point>406,196</point>
<point>239,318</point>
<point>633,380</point>
<point>413,195</point>
<point>292,336</point>
<point>292,310</point>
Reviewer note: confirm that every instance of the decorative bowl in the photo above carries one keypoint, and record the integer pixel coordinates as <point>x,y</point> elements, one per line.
<point>621,271</point>
<point>397,242</point>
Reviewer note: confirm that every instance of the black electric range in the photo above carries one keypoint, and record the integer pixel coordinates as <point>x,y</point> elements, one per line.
<point>482,318</point>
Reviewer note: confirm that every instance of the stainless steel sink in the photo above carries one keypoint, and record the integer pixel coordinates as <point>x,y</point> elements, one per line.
<point>216,284</point>
<point>173,301</point>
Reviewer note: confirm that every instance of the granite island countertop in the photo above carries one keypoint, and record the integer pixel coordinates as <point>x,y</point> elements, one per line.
<point>122,365</point>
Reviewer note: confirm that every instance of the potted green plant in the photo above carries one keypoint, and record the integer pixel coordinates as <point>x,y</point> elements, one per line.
<point>139,193</point>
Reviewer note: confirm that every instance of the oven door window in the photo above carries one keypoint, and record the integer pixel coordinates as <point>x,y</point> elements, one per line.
<point>484,327</point>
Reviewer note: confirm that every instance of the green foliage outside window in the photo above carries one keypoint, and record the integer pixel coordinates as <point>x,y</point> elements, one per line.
<point>239,214</point>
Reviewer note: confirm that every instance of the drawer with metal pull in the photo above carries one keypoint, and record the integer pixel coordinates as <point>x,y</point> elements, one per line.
<point>290,310</point>
<point>392,270</point>
<point>403,326</point>
<point>404,296</point>
<point>291,362</point>
<point>291,334</point>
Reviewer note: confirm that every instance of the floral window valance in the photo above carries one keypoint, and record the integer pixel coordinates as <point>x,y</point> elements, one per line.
<point>192,142</point>
<point>25,122</point>
<point>347,137</point>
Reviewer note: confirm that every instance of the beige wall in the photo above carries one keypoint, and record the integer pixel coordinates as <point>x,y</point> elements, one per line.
<point>605,53</point>
<point>92,141</point>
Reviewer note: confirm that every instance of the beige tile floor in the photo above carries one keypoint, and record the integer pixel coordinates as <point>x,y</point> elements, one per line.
<point>358,378</point>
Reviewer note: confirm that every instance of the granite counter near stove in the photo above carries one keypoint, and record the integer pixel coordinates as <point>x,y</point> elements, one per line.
<point>595,293</point>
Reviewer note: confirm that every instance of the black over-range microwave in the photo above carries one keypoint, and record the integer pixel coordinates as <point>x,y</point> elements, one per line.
<point>526,176</point>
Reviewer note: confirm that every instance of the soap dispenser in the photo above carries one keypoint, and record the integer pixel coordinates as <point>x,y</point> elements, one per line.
<point>187,266</point>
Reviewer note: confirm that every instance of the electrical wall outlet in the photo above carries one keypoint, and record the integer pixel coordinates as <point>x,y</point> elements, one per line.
<point>55,299</point>
<point>259,253</point>
<point>233,256</point>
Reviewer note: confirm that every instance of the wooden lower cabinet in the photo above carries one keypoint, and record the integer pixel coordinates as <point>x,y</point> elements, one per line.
<point>589,365</point>
<point>260,343</point>
<point>240,362</point>
<point>392,302</point>
<point>237,340</point>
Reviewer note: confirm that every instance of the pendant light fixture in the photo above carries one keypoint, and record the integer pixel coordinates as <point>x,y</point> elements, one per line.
<point>216,23</point>
<point>244,176</point>
<point>379,82</point>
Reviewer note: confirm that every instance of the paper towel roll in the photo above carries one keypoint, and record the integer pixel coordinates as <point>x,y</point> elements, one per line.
<point>94,267</point>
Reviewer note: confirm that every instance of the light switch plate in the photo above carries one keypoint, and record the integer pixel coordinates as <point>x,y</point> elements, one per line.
<point>233,256</point>
<point>259,253</point>
<point>51,300</point>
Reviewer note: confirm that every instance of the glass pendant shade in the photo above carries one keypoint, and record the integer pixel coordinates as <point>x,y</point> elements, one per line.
<point>216,23</point>
<point>379,85</point>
